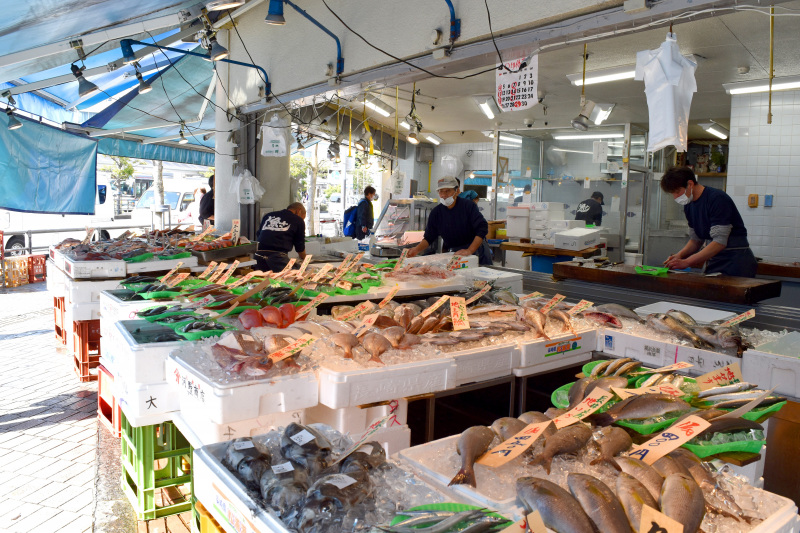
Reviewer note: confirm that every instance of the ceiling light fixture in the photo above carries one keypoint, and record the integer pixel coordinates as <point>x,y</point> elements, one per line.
<point>361,144</point>
<point>216,51</point>
<point>13,123</point>
<point>486,104</point>
<point>144,87</point>
<point>275,13</point>
<point>762,86</point>
<point>300,145</point>
<point>207,136</point>
<point>85,87</point>
<point>219,5</point>
<point>571,151</point>
<point>510,139</point>
<point>575,137</point>
<point>183,139</point>
<point>433,138</point>
<point>715,129</point>
<point>412,138</point>
<point>405,125</point>
<point>601,112</point>
<point>378,105</point>
<point>626,72</point>
<point>581,122</point>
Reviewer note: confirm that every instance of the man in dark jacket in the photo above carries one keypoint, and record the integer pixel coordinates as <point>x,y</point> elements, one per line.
<point>591,210</point>
<point>365,217</point>
<point>207,203</point>
<point>278,233</point>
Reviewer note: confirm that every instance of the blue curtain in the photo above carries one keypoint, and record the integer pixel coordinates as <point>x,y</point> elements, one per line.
<point>123,148</point>
<point>46,170</point>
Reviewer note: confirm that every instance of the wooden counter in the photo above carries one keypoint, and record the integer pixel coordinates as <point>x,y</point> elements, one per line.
<point>744,291</point>
<point>547,250</point>
<point>779,270</point>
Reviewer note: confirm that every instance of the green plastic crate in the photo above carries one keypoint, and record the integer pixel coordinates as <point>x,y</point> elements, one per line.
<point>154,459</point>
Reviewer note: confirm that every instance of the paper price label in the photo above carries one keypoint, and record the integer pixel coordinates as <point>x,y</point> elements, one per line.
<point>389,296</point>
<point>403,255</point>
<point>236,231</point>
<point>293,348</point>
<point>530,296</point>
<point>337,277</point>
<point>356,259</point>
<point>595,401</point>
<point>513,447</point>
<point>211,266</point>
<point>453,263</point>
<point>371,430</point>
<point>367,323</point>
<point>312,304</point>
<point>283,468</point>
<point>303,437</point>
<point>580,306</point>
<point>204,233</point>
<point>218,273</point>
<point>243,445</point>
<point>306,261</point>
<point>340,481</point>
<point>344,264</point>
<point>177,279</point>
<point>656,522</point>
<point>201,302</point>
<point>245,279</point>
<point>229,272</point>
<point>554,301</point>
<point>724,376</point>
<point>89,232</point>
<point>741,318</point>
<point>458,313</point>
<point>656,389</point>
<point>477,296</point>
<point>670,439</point>
<point>360,309</point>
<point>321,272</point>
<point>287,268</point>
<point>664,369</point>
<point>440,302</point>
<point>171,272</point>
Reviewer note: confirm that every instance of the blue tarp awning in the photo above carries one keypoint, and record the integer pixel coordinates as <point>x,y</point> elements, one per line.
<point>123,148</point>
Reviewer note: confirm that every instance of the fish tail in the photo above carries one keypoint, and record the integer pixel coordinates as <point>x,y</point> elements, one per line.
<point>465,476</point>
<point>544,461</point>
<point>376,359</point>
<point>609,461</point>
<point>545,335</point>
<point>602,419</point>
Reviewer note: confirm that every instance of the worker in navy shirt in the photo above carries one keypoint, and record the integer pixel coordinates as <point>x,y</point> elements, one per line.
<point>591,210</point>
<point>457,221</point>
<point>713,219</point>
<point>279,232</point>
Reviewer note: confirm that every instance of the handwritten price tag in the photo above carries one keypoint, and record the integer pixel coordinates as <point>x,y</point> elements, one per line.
<point>389,296</point>
<point>306,261</point>
<point>664,369</point>
<point>171,272</point>
<point>245,279</point>
<point>356,259</point>
<point>653,520</point>
<point>477,296</point>
<point>177,279</point>
<point>360,309</point>
<point>531,296</point>
<point>89,232</point>
<point>598,399</point>
<point>656,389</point>
<point>371,430</point>
<point>321,272</point>
<point>205,232</point>
<point>514,446</point>
<point>287,268</point>
<point>741,318</point>
<point>669,439</point>
<point>344,264</point>
<point>458,312</point>
<point>211,266</point>
<point>440,302</point>
<point>218,273</point>
<point>453,263</point>
<point>311,305</point>
<point>400,259</point>
<point>236,231</point>
<point>367,323</point>
<point>554,301</point>
<point>580,306</point>
<point>724,376</point>
<point>229,272</point>
<point>293,348</point>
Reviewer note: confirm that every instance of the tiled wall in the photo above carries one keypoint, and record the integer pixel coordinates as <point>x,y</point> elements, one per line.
<point>474,156</point>
<point>765,159</point>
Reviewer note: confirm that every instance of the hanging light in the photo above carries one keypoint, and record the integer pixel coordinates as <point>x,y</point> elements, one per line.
<point>300,145</point>
<point>433,138</point>
<point>216,51</point>
<point>144,87</point>
<point>378,105</point>
<point>486,104</point>
<point>361,144</point>
<point>13,123</point>
<point>275,13</point>
<point>183,139</point>
<point>85,87</point>
<point>412,138</point>
<point>581,122</point>
<point>219,5</point>
<point>715,129</point>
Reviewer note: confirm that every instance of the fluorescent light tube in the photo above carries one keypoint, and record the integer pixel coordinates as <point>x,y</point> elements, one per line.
<point>574,137</point>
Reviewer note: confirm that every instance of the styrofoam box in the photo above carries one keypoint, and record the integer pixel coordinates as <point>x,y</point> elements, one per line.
<point>145,399</point>
<point>553,214</point>
<point>485,363</point>
<point>546,235</point>
<point>356,420</point>
<point>703,315</point>
<point>114,268</point>
<point>79,292</point>
<point>566,350</point>
<point>394,439</point>
<point>158,265</point>
<point>650,352</point>
<point>517,227</point>
<point>704,361</point>
<point>577,239</point>
<point>547,206</point>
<point>140,363</point>
<point>358,387</point>
<point>772,370</point>
<point>240,400</point>
<point>57,257</point>
<point>200,431</point>
<point>518,211</point>
<point>82,311</point>
<point>501,278</point>
<point>550,242</point>
<point>148,420</point>
<point>113,309</point>
<point>542,225</point>
<point>55,279</point>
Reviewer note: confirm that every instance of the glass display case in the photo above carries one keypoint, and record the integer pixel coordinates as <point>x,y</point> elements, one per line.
<point>398,217</point>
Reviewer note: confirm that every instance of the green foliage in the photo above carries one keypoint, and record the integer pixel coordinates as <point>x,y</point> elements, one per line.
<point>332,189</point>
<point>122,170</point>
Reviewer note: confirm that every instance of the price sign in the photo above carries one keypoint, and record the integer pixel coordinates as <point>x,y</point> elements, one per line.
<point>355,261</point>
<point>530,296</point>
<point>440,302</point>
<point>171,272</point>
<point>287,268</point>
<point>670,439</point>
<point>321,272</point>
<point>211,266</point>
<point>554,301</point>
<point>367,323</point>
<point>245,279</point>
<point>236,231</point>
<point>724,376</point>
<point>665,369</point>
<point>595,401</point>
<point>656,389</point>
<point>582,305</point>
<point>293,348</point>
<point>89,232</point>
<point>657,522</point>
<point>360,309</point>
<point>337,277</point>
<point>306,261</point>
<point>218,273</point>
<point>458,313</point>
<point>229,272</point>
<point>389,296</point>
<point>741,318</point>
<point>205,232</point>
<point>311,305</point>
<point>371,430</point>
<point>344,264</point>
<point>514,446</point>
<point>400,259</point>
<point>477,296</point>
<point>177,279</point>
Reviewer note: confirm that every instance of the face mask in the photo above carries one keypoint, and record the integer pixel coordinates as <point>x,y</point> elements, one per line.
<point>684,199</point>
<point>447,202</point>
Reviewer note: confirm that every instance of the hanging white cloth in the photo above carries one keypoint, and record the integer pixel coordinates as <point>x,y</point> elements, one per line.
<point>669,85</point>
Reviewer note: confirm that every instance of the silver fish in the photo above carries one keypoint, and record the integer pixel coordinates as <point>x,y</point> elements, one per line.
<point>472,443</point>
<point>646,474</point>
<point>633,496</point>
<point>617,363</point>
<point>667,324</point>
<point>600,503</point>
<point>640,407</point>
<point>725,389</point>
<point>600,368</point>
<point>559,510</point>
<point>682,317</point>
<point>682,500</point>
<point>628,368</point>
<point>619,311</point>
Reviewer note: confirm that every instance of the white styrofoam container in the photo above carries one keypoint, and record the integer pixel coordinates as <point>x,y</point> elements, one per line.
<point>552,214</point>
<point>772,370</point>
<point>112,309</point>
<point>545,225</point>
<point>240,400</point>
<point>148,420</point>
<point>201,431</point>
<point>55,279</point>
<point>704,361</point>
<point>702,315</point>
<point>394,439</point>
<point>518,211</point>
<point>754,472</point>
<point>79,292</point>
<point>517,227</point>
<point>358,387</point>
<point>145,399</point>
<point>355,420</point>
<point>485,363</point>
<point>501,278</point>
<point>550,242</point>
<point>140,363</point>
<point>547,206</point>
<point>650,352</point>
<point>113,268</point>
<point>577,239</point>
<point>57,257</point>
<point>82,311</point>
<point>158,265</point>
<point>547,234</point>
<point>540,355</point>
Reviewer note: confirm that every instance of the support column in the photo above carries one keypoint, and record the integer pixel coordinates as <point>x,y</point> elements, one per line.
<point>226,204</point>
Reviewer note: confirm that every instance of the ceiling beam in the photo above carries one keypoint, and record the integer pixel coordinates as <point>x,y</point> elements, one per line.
<point>176,136</point>
<point>141,127</point>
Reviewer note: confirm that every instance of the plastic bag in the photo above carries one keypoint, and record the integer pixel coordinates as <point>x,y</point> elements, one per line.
<point>275,137</point>
<point>247,186</point>
<point>451,166</point>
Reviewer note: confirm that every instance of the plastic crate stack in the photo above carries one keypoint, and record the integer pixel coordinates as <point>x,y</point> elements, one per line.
<point>157,469</point>
<point>59,319</point>
<point>108,411</point>
<point>36,268</point>
<point>86,343</point>
<point>16,271</point>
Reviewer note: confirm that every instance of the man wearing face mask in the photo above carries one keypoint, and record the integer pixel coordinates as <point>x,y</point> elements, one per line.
<point>457,221</point>
<point>713,217</point>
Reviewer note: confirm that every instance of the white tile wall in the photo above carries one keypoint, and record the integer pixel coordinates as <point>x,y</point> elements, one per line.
<point>765,159</point>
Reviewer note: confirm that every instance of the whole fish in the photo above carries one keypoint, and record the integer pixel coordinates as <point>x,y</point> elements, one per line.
<point>507,427</point>
<point>560,316</point>
<point>570,439</point>
<point>606,384</point>
<point>375,345</point>
<point>535,319</point>
<point>666,466</point>
<point>743,395</point>
<point>616,364</point>
<point>552,412</point>
<point>685,318</point>
<point>735,404</point>
<point>716,498</point>
<point>441,525</point>
<point>729,425</point>
<point>612,441</point>
<point>722,337</point>
<point>633,496</point>
<point>394,335</point>
<point>559,510</point>
<point>641,407</point>
<point>628,368</point>
<point>667,324</point>
<point>600,368</point>
<point>345,341</point>
<point>655,379</point>
<point>599,502</point>
<point>646,474</point>
<point>682,500</point>
<point>535,417</point>
<point>619,311</point>
<point>577,391</point>
<point>725,389</point>
<point>602,319</point>
<point>472,443</point>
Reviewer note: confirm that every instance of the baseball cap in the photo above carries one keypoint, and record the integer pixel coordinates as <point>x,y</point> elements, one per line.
<point>597,195</point>
<point>447,182</point>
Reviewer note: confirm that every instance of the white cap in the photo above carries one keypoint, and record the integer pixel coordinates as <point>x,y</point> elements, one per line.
<point>448,182</point>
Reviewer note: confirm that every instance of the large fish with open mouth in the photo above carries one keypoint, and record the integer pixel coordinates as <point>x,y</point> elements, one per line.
<point>667,324</point>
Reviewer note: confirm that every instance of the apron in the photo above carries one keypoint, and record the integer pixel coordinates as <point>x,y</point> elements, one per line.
<point>738,261</point>
<point>271,260</point>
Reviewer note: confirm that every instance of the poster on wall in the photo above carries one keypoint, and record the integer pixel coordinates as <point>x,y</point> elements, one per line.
<point>517,89</point>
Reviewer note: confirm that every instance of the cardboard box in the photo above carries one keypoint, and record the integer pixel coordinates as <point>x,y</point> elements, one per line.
<point>494,225</point>
<point>577,239</point>
<point>547,206</point>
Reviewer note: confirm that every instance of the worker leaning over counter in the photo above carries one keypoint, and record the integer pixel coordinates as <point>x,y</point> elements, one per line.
<point>278,233</point>
<point>712,216</point>
<point>458,222</point>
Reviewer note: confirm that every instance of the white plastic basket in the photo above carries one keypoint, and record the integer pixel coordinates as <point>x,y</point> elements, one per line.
<point>113,268</point>
<point>140,363</point>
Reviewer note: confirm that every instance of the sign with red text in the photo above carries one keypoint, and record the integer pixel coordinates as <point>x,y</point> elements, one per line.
<point>589,405</point>
<point>513,447</point>
<point>517,86</point>
<point>724,376</point>
<point>670,439</point>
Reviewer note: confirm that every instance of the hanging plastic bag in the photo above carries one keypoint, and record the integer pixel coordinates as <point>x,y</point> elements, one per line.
<point>451,166</point>
<point>247,187</point>
<point>275,137</point>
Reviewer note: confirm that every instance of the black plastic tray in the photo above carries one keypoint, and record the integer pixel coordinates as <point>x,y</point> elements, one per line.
<point>226,253</point>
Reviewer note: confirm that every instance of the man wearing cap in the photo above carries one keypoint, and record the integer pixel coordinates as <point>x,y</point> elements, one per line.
<point>457,221</point>
<point>590,211</point>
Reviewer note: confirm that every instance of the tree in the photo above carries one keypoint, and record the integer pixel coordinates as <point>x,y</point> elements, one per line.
<point>122,170</point>
<point>299,167</point>
<point>361,179</point>
<point>332,189</point>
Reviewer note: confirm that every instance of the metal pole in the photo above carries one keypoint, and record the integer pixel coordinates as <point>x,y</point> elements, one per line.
<point>495,170</point>
<point>623,200</point>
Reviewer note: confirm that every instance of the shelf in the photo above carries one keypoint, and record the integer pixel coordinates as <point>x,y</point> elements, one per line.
<point>712,175</point>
